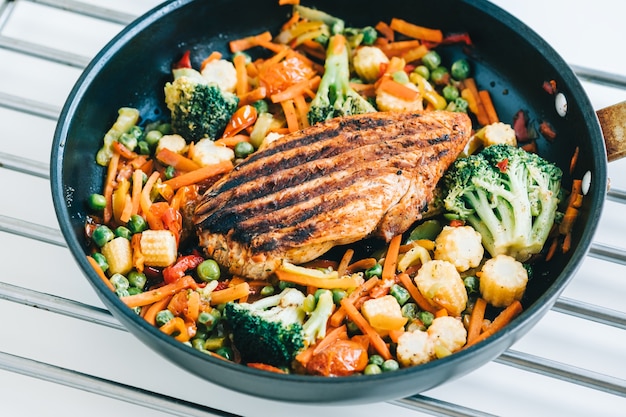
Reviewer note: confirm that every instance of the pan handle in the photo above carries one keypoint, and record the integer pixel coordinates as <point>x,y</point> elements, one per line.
<point>613,123</point>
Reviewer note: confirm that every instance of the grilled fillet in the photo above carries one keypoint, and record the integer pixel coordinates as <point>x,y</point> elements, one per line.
<point>334,183</point>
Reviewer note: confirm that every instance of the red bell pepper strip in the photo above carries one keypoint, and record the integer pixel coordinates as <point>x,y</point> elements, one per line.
<point>175,272</point>
<point>183,62</point>
<point>244,117</point>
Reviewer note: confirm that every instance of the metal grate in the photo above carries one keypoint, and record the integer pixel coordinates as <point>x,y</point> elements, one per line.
<point>23,167</point>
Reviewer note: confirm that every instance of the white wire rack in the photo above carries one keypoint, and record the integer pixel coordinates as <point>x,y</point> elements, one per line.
<point>62,353</point>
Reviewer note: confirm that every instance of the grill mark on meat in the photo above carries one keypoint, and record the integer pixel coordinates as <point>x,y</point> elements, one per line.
<point>332,184</point>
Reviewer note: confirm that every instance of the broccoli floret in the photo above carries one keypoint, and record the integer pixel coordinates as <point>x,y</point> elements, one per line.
<point>361,36</point>
<point>199,109</point>
<point>334,96</point>
<point>273,330</point>
<point>508,195</point>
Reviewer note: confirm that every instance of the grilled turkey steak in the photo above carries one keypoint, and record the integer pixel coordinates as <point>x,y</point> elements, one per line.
<point>334,183</point>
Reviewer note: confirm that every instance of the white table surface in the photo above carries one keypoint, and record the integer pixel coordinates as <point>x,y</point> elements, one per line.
<point>56,364</point>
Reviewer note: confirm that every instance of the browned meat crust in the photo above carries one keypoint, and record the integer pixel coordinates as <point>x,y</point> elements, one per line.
<point>331,184</point>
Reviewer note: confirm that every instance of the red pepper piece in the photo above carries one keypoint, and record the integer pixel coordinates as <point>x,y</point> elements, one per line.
<point>503,165</point>
<point>244,117</point>
<point>175,272</point>
<point>183,62</point>
<point>547,130</point>
<point>520,126</point>
<point>463,37</point>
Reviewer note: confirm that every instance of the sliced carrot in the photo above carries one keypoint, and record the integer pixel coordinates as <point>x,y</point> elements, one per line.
<point>123,150</point>
<point>251,96</point>
<point>490,110</point>
<point>154,308</point>
<point>296,89</point>
<point>476,319</point>
<point>567,223</point>
<point>385,30</point>
<point>567,242</point>
<point>340,314</point>
<point>145,201</point>
<point>391,258</point>
<point>337,333</point>
<point>552,249</point>
<point>232,141</point>
<point>285,2</point>
<point>213,56</point>
<point>178,161</point>
<point>152,296</point>
<point>271,46</point>
<point>481,113</point>
<point>417,32</point>
<point>415,54</point>
<point>375,339</point>
<point>265,366</point>
<point>200,174</point>
<point>109,185</point>
<point>398,90</point>
<point>501,320</point>
<point>421,301</point>
<point>345,261</point>
<point>136,190</point>
<point>193,306</point>
<point>442,312</point>
<point>230,294</point>
<point>242,44</point>
<point>326,283</point>
<point>361,265</point>
<point>127,209</point>
<point>289,108</point>
<point>394,335</point>
<point>295,17</point>
<point>242,86</point>
<point>574,160</point>
<point>302,109</point>
<point>100,273</point>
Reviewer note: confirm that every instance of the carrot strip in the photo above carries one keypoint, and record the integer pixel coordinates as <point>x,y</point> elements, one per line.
<point>417,32</point>
<point>361,265</point>
<point>442,312</point>
<point>296,89</point>
<point>337,317</point>
<point>571,213</point>
<point>352,281</point>
<point>248,42</point>
<point>415,54</point>
<point>230,294</point>
<point>355,315</point>
<point>127,209</point>
<point>200,174</point>
<point>302,109</point>
<point>391,258</point>
<point>552,249</point>
<point>100,273</point>
<point>152,296</point>
<point>291,116</point>
<point>338,333</point>
<point>154,308</point>
<point>242,86</point>
<point>286,2</point>
<point>394,335</point>
<point>574,160</point>
<point>481,113</point>
<point>136,190</point>
<point>176,326</point>
<point>385,30</point>
<point>123,150</point>
<point>421,301</point>
<point>501,320</point>
<point>476,319</point>
<point>144,201</point>
<point>398,90</point>
<point>251,96</point>
<point>567,242</point>
<point>261,366</point>
<point>295,17</point>
<point>232,141</point>
<point>490,110</point>
<point>274,47</point>
<point>109,185</point>
<point>213,56</point>
<point>178,161</point>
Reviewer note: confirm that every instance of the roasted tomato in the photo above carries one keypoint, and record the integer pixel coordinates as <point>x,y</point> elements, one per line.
<point>342,358</point>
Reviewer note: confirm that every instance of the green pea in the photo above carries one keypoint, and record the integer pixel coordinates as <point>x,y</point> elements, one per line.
<point>119,281</point>
<point>267,290</point>
<point>170,172</point>
<point>376,360</point>
<point>135,131</point>
<point>369,35</point>
<point>338,295</point>
<point>426,317</point>
<point>209,320</point>
<point>97,202</point>
<point>431,60</point>
<point>129,141</point>
<point>102,234</point>
<point>450,92</point>
<point>399,293</point>
<point>261,106</point>
<point>372,369</point>
<point>400,77</point>
<point>390,365</point>
<point>460,105</point>
<point>225,352</point>
<point>423,71</point>
<point>165,128</point>
<point>163,317</point>
<point>309,303</point>
<point>153,137</point>
<point>472,285</point>
<point>460,69</point>
<point>137,279</point>
<point>409,310</point>
<point>124,232</point>
<point>101,260</point>
<point>440,76</point>
<point>375,271</point>
<point>243,149</point>
<point>143,147</point>
<point>137,224</point>
<point>208,270</point>
<point>284,284</point>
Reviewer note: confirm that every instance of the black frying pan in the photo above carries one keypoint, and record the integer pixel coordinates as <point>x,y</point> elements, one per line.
<point>510,61</point>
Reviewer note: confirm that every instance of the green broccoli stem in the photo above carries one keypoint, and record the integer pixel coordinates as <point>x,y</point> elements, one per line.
<point>315,326</point>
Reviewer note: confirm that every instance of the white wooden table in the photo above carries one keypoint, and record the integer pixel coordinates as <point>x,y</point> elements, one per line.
<point>62,354</point>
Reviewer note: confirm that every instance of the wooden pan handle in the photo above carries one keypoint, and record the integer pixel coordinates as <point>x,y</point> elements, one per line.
<point>613,122</point>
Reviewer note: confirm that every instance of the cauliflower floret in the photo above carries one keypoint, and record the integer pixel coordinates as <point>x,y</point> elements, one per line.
<point>206,152</point>
<point>447,335</point>
<point>384,313</point>
<point>414,348</point>
<point>497,133</point>
<point>440,283</point>
<point>174,143</point>
<point>388,102</point>
<point>503,280</point>
<point>461,246</point>
<point>367,63</point>
<point>221,72</point>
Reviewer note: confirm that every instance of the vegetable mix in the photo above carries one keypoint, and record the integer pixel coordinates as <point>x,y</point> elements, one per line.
<point>453,280</point>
